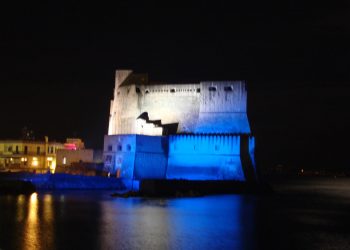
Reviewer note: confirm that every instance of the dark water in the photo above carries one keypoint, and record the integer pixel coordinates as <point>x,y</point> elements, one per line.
<point>313,214</point>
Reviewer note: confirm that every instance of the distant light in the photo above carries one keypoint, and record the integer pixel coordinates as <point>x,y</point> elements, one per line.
<point>70,146</point>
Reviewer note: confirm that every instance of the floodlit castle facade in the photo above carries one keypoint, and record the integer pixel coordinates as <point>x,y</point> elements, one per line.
<point>178,131</point>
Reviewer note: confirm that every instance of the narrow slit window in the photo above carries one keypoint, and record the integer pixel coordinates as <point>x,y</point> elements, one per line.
<point>228,88</point>
<point>212,88</point>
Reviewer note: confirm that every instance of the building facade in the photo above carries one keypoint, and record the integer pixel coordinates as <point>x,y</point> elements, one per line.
<point>179,131</point>
<point>33,156</point>
<point>74,151</point>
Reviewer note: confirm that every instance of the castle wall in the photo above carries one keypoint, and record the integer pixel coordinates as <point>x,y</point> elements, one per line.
<point>136,156</point>
<point>194,157</point>
<point>151,157</point>
<point>114,126</point>
<point>204,157</point>
<point>119,155</point>
<point>172,103</point>
<point>223,108</point>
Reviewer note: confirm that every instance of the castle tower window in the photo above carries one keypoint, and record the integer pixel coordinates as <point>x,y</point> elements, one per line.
<point>172,91</point>
<point>138,90</point>
<point>120,148</point>
<point>198,90</point>
<point>212,88</point>
<point>110,147</point>
<point>228,88</point>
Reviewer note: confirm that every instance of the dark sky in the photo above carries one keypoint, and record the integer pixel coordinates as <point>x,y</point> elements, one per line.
<point>58,60</point>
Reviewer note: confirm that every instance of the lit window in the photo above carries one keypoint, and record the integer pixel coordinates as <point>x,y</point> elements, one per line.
<point>64,161</point>
<point>35,162</point>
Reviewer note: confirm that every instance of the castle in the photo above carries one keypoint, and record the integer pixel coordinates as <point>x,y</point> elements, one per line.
<point>196,131</point>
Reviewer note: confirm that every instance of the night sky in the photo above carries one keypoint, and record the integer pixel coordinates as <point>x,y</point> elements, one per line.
<point>58,63</point>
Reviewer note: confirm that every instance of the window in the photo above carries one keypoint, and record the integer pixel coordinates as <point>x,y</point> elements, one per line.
<point>217,147</point>
<point>128,147</point>
<point>64,161</point>
<point>110,147</point>
<point>198,90</point>
<point>16,149</point>
<point>38,150</point>
<point>120,147</point>
<point>147,91</point>
<point>212,88</point>
<point>108,159</point>
<point>228,88</point>
<point>9,149</point>
<point>172,91</point>
<point>25,149</point>
<point>137,90</point>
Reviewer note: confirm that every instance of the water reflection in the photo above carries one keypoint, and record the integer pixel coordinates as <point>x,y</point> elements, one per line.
<point>98,221</point>
<point>188,223</point>
<point>20,208</point>
<point>31,230</point>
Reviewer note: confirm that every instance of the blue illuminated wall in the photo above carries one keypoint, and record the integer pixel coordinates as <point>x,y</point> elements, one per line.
<point>252,152</point>
<point>204,157</point>
<point>150,157</point>
<point>119,154</point>
<point>191,157</point>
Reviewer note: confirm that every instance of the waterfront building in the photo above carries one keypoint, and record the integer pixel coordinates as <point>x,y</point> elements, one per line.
<point>28,155</point>
<point>74,151</point>
<point>194,131</point>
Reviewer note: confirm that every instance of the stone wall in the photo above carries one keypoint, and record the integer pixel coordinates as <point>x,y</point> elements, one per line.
<point>194,157</point>
<point>206,107</point>
<point>205,157</point>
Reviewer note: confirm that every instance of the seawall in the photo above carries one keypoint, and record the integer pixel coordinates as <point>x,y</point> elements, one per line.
<point>64,181</point>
